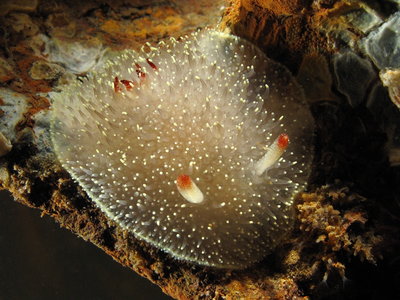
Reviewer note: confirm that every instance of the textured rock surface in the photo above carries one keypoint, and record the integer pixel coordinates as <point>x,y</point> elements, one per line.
<point>347,222</point>
<point>391,79</point>
<point>383,44</point>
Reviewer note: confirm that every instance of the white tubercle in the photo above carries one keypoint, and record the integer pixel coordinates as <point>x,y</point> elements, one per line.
<point>188,189</point>
<point>273,154</point>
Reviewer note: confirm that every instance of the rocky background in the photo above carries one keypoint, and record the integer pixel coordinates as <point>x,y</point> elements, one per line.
<point>345,54</point>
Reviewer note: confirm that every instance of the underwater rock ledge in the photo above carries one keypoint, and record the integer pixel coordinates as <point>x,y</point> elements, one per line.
<point>342,229</point>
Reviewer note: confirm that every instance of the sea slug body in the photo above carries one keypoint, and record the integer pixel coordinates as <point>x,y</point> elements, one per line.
<point>197,146</point>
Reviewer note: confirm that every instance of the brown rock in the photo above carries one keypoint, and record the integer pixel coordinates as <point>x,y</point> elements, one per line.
<point>17,5</point>
<point>44,70</point>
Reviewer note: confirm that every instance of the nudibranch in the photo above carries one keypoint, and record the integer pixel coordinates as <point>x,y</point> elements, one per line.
<point>197,146</point>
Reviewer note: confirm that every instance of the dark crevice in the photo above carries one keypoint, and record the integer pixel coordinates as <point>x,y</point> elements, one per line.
<point>41,193</point>
<point>108,238</point>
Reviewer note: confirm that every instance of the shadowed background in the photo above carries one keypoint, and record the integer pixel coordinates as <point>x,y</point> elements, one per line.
<point>38,260</point>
